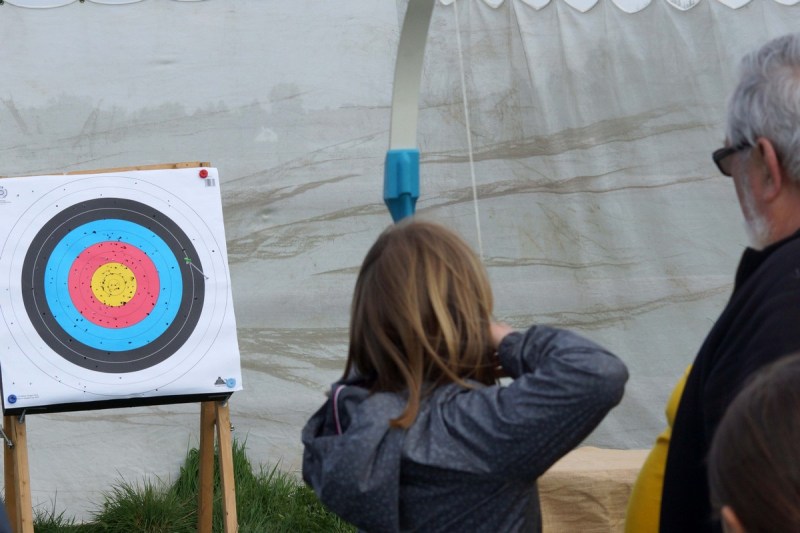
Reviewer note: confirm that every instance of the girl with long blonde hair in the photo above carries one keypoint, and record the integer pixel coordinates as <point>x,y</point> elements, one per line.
<point>419,434</point>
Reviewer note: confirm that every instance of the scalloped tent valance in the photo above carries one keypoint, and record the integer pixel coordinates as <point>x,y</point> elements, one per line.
<point>44,4</point>
<point>628,6</point>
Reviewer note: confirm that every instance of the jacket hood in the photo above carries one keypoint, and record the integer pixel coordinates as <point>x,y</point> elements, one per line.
<point>352,456</point>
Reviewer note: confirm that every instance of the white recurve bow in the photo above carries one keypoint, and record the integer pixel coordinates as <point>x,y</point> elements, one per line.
<point>401,169</point>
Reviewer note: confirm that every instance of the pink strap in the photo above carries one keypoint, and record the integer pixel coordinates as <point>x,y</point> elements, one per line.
<point>336,409</point>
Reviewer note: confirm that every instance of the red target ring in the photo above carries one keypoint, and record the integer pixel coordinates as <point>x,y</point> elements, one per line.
<point>101,257</point>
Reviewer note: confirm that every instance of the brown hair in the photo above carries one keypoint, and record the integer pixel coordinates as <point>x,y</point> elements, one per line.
<point>420,315</point>
<point>754,462</point>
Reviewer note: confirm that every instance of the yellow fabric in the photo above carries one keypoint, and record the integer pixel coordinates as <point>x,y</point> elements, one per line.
<point>644,506</point>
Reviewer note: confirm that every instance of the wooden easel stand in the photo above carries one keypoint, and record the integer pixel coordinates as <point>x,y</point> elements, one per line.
<point>216,414</point>
<point>214,417</point>
<point>17,476</point>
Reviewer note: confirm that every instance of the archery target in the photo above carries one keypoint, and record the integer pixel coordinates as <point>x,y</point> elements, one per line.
<point>118,287</point>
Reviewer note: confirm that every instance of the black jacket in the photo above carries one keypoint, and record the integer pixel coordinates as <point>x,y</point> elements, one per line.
<point>760,324</point>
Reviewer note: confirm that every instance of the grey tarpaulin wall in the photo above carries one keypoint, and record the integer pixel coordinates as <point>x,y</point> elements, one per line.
<point>592,131</point>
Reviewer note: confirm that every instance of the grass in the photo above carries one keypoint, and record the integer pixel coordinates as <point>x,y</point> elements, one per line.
<point>267,500</point>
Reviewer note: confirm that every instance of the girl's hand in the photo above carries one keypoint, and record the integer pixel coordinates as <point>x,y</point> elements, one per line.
<point>499,331</point>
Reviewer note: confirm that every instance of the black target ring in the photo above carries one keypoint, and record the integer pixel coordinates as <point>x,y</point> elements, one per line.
<point>69,346</point>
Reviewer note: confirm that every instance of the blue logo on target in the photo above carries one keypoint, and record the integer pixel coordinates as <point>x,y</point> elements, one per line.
<point>12,398</point>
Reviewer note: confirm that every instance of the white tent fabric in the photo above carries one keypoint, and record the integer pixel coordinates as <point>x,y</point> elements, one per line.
<point>600,209</point>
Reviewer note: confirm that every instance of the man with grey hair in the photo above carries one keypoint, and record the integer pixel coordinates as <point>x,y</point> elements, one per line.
<point>761,321</point>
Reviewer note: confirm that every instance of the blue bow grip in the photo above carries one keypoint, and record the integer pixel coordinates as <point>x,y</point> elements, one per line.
<point>401,182</point>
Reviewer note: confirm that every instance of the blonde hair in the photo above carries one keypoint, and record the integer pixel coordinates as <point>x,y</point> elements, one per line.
<point>421,315</point>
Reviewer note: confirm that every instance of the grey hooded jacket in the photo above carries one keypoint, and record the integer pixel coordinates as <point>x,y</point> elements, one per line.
<point>471,458</point>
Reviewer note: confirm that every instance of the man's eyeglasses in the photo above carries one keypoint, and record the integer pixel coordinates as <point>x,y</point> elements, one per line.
<point>719,156</point>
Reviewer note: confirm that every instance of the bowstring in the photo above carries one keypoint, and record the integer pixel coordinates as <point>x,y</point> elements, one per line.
<point>469,130</point>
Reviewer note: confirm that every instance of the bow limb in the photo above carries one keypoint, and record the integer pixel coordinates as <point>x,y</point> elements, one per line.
<point>401,168</point>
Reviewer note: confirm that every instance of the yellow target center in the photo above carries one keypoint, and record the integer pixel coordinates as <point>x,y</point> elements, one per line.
<point>114,284</point>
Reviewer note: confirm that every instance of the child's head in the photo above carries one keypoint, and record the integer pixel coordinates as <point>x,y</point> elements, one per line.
<point>754,462</point>
<point>421,314</point>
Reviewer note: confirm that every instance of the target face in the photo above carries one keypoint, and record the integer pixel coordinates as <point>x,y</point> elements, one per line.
<point>118,287</point>
<point>112,285</point>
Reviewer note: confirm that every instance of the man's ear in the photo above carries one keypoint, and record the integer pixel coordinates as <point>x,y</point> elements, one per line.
<point>730,522</point>
<point>774,178</point>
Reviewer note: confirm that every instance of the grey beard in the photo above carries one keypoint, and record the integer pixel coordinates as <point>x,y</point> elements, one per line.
<point>755,224</point>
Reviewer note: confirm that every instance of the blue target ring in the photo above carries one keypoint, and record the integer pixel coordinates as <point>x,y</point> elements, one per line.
<point>149,339</point>
<point>70,318</point>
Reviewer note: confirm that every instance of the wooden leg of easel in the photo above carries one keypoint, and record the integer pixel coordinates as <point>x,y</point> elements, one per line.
<point>226,468</point>
<point>20,514</point>
<point>205,504</point>
<point>8,474</point>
